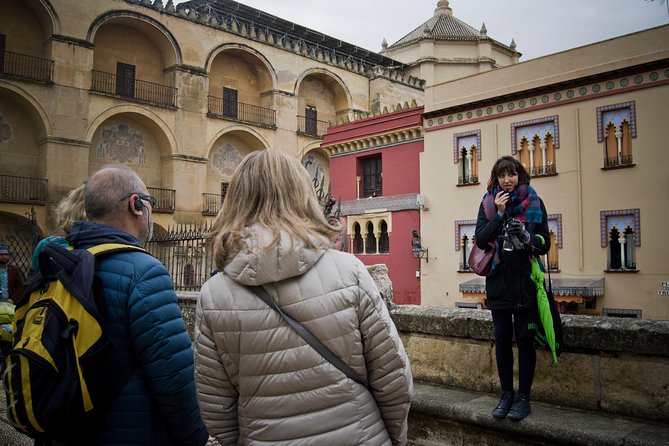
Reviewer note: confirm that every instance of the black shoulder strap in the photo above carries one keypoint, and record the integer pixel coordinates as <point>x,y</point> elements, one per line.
<point>309,338</point>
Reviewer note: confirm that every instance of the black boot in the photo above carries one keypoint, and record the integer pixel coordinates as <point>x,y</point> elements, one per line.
<point>521,407</point>
<point>505,402</point>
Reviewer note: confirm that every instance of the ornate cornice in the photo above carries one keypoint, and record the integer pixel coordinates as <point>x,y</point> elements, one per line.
<point>373,142</point>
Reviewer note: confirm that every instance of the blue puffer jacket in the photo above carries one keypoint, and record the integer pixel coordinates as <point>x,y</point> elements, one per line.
<point>158,405</point>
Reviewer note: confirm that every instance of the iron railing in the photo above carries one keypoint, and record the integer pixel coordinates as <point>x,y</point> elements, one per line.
<point>625,160</point>
<point>553,265</point>
<point>187,254</point>
<point>165,199</point>
<point>468,179</point>
<point>239,111</point>
<point>311,127</point>
<point>211,203</point>
<point>543,170</point>
<point>26,67</point>
<point>131,88</point>
<point>23,189</point>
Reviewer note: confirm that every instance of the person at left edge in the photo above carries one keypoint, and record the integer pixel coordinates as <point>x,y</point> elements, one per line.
<point>11,278</point>
<point>158,405</point>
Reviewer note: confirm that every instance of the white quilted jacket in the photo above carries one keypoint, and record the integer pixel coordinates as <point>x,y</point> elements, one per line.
<point>259,383</point>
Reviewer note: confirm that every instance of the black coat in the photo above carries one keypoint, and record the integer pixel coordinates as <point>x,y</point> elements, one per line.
<point>509,285</point>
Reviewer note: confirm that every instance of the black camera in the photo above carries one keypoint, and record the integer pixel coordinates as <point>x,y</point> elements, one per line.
<point>510,242</point>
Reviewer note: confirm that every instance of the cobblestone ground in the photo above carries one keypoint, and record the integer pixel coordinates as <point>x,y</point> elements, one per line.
<point>10,437</point>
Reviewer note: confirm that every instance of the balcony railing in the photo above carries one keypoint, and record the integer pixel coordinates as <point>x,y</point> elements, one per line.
<point>26,67</point>
<point>543,170</point>
<point>622,161</point>
<point>165,199</point>
<point>211,203</point>
<point>241,112</point>
<point>468,179</point>
<point>553,265</point>
<point>130,88</point>
<point>23,189</point>
<point>311,127</point>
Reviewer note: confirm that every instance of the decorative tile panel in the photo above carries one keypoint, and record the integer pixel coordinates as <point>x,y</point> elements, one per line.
<point>225,159</point>
<point>535,127</point>
<point>122,144</point>
<point>616,114</point>
<point>620,220</point>
<point>466,139</point>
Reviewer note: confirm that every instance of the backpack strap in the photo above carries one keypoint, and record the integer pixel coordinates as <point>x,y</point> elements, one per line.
<point>108,248</point>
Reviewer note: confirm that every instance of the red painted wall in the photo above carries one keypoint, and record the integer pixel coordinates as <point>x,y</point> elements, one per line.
<point>402,266</point>
<point>401,175</point>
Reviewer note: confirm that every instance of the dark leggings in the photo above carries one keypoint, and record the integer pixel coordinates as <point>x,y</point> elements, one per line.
<point>504,327</point>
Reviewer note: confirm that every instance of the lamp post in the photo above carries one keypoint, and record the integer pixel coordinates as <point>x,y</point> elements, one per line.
<point>417,249</point>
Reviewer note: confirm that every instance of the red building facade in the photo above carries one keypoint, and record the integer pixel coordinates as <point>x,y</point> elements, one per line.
<point>375,177</point>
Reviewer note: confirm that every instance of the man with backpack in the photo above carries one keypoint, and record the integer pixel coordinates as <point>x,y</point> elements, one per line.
<point>157,405</point>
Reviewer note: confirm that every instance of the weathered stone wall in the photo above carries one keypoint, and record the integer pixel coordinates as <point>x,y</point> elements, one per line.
<point>619,366</point>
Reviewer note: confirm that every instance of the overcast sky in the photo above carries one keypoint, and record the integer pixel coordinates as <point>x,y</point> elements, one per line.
<point>539,27</point>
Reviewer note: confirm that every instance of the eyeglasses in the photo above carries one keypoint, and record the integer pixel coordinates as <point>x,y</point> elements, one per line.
<point>148,198</point>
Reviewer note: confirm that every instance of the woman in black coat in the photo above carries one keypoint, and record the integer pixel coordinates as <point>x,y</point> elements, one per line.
<point>513,218</point>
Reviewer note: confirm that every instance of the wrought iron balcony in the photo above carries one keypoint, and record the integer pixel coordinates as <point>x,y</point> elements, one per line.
<point>241,112</point>
<point>133,89</point>
<point>23,66</point>
<point>211,203</point>
<point>537,171</point>
<point>165,199</point>
<point>23,189</point>
<point>468,179</point>
<point>311,127</point>
<point>618,161</point>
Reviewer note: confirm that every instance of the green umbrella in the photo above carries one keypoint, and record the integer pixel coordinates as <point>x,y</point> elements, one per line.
<point>537,276</point>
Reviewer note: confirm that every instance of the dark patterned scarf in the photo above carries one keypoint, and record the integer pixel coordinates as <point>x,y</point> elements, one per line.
<point>523,205</point>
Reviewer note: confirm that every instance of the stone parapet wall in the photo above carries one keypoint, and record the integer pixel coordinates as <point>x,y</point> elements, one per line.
<point>619,366</point>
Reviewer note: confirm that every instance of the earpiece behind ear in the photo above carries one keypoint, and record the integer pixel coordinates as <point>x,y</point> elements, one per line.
<point>139,205</point>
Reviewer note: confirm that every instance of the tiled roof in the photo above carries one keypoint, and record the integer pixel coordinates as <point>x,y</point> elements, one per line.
<point>441,27</point>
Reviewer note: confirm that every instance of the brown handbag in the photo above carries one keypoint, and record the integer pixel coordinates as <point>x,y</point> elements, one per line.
<point>480,260</point>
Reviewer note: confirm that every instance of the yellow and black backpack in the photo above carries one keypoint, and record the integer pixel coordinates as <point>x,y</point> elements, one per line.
<point>61,373</point>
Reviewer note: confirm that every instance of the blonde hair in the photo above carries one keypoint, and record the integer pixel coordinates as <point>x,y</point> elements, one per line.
<point>273,190</point>
<point>71,208</point>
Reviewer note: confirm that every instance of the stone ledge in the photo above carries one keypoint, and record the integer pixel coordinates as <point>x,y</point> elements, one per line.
<point>441,415</point>
<point>581,333</point>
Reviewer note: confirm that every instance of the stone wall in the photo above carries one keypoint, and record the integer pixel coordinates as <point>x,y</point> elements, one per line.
<point>618,366</point>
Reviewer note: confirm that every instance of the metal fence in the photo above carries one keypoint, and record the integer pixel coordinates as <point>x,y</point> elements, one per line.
<point>187,254</point>
<point>21,238</point>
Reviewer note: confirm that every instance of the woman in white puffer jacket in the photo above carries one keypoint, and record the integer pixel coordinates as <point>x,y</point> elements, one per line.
<point>257,381</point>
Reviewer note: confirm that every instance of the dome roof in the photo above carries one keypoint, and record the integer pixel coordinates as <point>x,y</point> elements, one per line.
<point>442,26</point>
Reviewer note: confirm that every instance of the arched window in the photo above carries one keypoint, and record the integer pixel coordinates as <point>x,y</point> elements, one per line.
<point>616,127</point>
<point>615,257</point>
<point>621,234</point>
<point>384,240</point>
<point>468,166</point>
<point>466,249</point>
<point>358,247</point>
<point>618,145</point>
<point>370,239</point>
<point>628,249</point>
